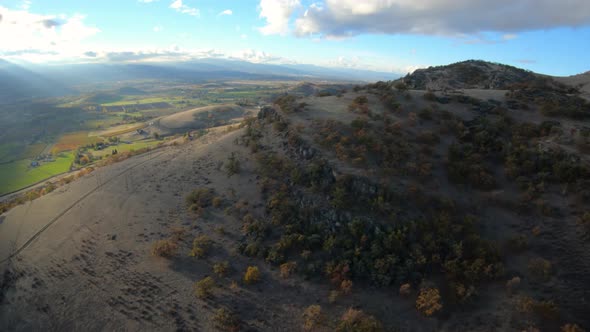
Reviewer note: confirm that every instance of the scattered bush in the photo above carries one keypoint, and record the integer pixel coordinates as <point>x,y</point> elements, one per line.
<point>540,268</point>
<point>252,275</point>
<point>429,301</point>
<point>165,248</point>
<point>221,268</point>
<point>312,317</point>
<point>346,287</point>
<point>199,199</point>
<point>286,269</point>
<point>226,320</point>
<point>572,328</point>
<point>357,321</point>
<point>201,245</point>
<point>405,289</point>
<point>512,285</point>
<point>233,165</point>
<point>204,287</point>
<point>430,96</point>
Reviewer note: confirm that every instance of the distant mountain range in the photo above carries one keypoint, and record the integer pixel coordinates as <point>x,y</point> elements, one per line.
<point>30,81</point>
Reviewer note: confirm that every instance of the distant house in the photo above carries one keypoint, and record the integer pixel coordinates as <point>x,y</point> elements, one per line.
<point>34,164</point>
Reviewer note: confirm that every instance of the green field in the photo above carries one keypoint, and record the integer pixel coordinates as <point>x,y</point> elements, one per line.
<point>20,174</point>
<point>123,147</point>
<point>135,101</point>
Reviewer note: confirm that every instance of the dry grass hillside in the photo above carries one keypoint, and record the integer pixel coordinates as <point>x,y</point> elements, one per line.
<point>381,208</point>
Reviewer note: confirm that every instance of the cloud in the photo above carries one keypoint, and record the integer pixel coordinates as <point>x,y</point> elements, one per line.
<point>90,54</point>
<point>509,36</point>
<point>26,5</point>
<point>184,9</point>
<point>277,14</point>
<point>255,56</point>
<point>50,23</point>
<point>345,18</point>
<point>226,12</point>
<point>158,28</point>
<point>147,1</point>
<point>31,33</point>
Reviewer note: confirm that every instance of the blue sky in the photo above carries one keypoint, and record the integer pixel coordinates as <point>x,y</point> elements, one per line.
<point>545,36</point>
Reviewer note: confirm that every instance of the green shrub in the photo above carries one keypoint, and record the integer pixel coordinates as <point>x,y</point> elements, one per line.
<point>165,248</point>
<point>226,320</point>
<point>199,199</point>
<point>357,321</point>
<point>233,165</point>
<point>201,246</point>
<point>252,275</point>
<point>221,268</point>
<point>204,287</point>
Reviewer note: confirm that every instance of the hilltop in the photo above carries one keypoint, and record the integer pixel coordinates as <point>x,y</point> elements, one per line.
<point>470,74</point>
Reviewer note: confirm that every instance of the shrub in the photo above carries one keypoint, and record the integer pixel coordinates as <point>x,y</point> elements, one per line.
<point>346,286</point>
<point>226,320</point>
<point>287,269</point>
<point>401,87</point>
<point>405,290</point>
<point>333,296</point>
<point>513,284</point>
<point>233,165</point>
<point>430,96</point>
<point>571,328</point>
<point>217,201</point>
<point>312,317</point>
<point>165,248</point>
<point>221,268</point>
<point>357,321</point>
<point>584,221</point>
<point>199,199</point>
<point>428,301</point>
<point>252,275</point>
<point>204,287</point>
<point>540,268</point>
<point>201,245</point>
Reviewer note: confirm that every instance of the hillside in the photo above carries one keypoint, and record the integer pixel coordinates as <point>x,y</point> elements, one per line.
<point>581,81</point>
<point>386,207</point>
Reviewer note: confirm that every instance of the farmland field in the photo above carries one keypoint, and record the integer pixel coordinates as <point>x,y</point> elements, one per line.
<point>63,124</point>
<point>19,174</point>
<point>72,141</point>
<point>123,147</point>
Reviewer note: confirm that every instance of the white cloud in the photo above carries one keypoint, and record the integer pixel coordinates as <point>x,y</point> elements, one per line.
<point>256,56</point>
<point>158,28</point>
<point>226,12</point>
<point>147,1</point>
<point>26,5</point>
<point>184,9</point>
<point>345,18</point>
<point>277,14</point>
<point>509,36</point>
<point>42,35</point>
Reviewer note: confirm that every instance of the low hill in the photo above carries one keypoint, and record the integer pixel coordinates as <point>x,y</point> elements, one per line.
<point>580,81</point>
<point>200,118</point>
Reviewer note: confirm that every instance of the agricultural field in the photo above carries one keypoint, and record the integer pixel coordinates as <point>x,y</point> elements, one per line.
<point>20,174</point>
<point>72,141</point>
<point>62,125</point>
<point>125,147</point>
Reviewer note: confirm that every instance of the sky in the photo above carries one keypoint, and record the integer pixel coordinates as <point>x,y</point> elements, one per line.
<point>399,36</point>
